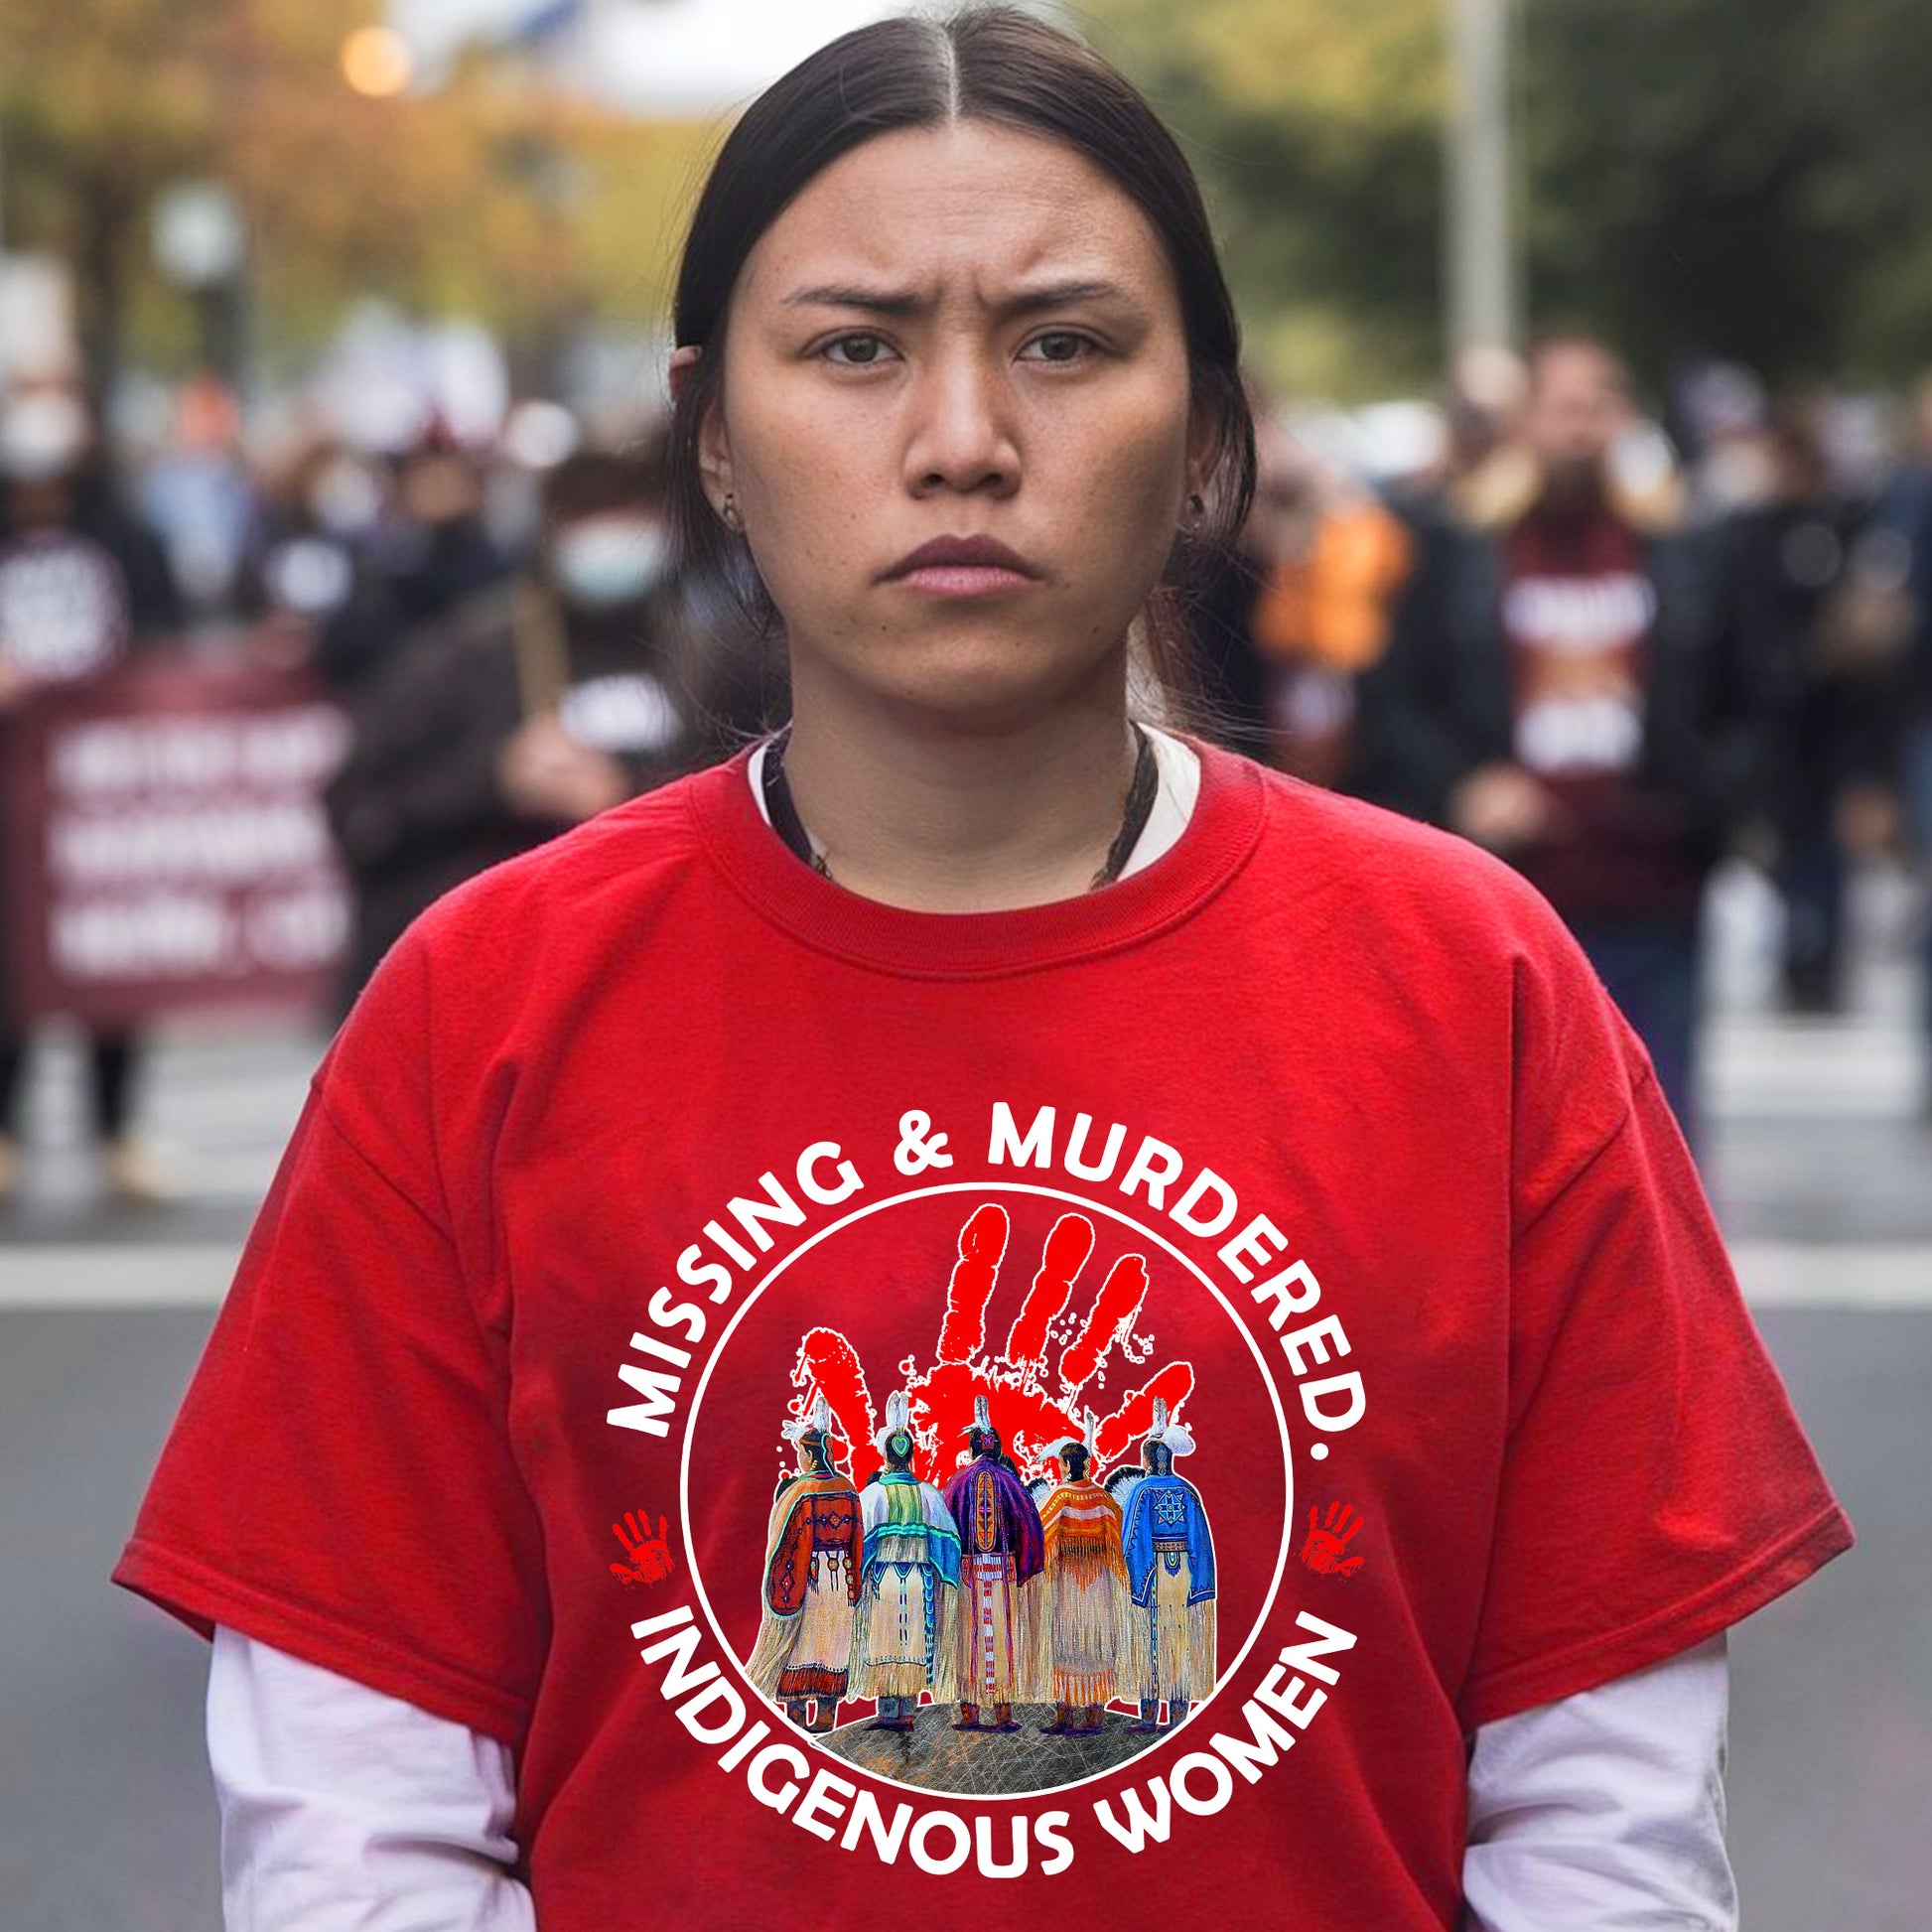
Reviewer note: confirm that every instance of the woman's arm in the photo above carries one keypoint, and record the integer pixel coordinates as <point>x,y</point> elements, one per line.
<point>341,1807</point>
<point>1604,1812</point>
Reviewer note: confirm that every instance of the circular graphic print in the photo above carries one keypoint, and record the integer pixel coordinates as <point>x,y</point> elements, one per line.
<point>986,1489</point>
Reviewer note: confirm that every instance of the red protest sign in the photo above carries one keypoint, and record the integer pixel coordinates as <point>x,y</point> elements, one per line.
<point>165,845</point>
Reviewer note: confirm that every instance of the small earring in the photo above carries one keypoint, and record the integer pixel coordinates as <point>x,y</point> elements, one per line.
<point>732,521</point>
<point>1196,505</point>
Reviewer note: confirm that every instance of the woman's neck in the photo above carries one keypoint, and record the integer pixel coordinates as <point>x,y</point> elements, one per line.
<point>937,815</point>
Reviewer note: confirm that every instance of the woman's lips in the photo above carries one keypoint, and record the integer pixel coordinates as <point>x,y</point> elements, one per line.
<point>963,566</point>
<point>964,579</point>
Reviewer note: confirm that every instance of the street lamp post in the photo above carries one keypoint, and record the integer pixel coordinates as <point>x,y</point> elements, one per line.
<point>1480,257</point>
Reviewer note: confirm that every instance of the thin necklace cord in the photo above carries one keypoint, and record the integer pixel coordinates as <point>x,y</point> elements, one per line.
<point>1141,790</point>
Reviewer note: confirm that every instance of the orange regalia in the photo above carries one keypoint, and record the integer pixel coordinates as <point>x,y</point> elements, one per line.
<point>1089,1626</point>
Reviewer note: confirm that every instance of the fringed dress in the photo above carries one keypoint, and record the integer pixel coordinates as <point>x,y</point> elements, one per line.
<point>910,1572</point>
<point>811,1587</point>
<point>997,1648</point>
<point>1093,1651</point>
<point>1170,1571</point>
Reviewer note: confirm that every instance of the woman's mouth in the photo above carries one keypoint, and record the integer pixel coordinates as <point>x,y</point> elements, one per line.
<point>968,566</point>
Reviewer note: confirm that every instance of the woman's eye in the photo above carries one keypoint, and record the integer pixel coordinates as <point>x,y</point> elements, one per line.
<point>855,352</point>
<point>1060,345</point>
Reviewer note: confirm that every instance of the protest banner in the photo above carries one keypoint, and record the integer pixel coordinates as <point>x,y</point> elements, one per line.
<point>165,845</point>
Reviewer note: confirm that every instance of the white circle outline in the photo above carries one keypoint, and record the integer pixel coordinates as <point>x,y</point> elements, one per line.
<point>1222,1676</point>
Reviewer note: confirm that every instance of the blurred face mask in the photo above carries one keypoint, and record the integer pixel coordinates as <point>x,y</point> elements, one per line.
<point>603,562</point>
<point>42,437</point>
<point>344,498</point>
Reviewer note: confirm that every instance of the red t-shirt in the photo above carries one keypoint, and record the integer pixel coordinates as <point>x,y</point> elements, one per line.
<point>1320,1127</point>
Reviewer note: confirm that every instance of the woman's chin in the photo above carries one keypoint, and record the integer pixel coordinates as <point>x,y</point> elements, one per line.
<point>991,682</point>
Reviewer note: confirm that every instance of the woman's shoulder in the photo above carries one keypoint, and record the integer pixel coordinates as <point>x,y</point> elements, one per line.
<point>1330,856</point>
<point>517,946</point>
<point>1441,945</point>
<point>611,868</point>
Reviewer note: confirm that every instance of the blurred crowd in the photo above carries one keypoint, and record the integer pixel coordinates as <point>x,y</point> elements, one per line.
<point>497,619</point>
<point>1614,649</point>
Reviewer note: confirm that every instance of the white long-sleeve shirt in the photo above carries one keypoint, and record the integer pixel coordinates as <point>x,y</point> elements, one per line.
<point>345,1810</point>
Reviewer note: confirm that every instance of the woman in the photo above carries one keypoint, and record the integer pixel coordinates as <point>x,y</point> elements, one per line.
<point>997,1628</point>
<point>813,1563</point>
<point>1169,1552</point>
<point>83,586</point>
<point>729,1083</point>
<point>904,1643</point>
<point>1094,1641</point>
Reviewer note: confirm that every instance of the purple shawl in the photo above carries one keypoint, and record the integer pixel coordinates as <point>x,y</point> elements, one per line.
<point>1018,1519</point>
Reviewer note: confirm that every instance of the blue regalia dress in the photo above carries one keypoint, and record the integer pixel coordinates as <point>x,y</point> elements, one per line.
<point>1170,1574</point>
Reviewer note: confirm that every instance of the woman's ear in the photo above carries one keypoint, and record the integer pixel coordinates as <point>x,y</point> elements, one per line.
<point>713,446</point>
<point>683,371</point>
<point>1204,445</point>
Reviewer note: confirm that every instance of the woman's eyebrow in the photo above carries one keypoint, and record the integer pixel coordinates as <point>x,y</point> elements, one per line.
<point>898,302</point>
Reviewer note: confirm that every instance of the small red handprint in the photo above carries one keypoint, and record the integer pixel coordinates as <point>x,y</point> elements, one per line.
<point>1031,1407</point>
<point>1323,1546</point>
<point>650,1556</point>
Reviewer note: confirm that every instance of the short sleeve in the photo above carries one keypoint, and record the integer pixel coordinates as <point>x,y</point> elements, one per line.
<point>340,1482</point>
<point>1656,1487</point>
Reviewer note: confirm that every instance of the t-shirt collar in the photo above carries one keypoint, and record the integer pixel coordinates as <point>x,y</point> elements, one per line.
<point>1220,833</point>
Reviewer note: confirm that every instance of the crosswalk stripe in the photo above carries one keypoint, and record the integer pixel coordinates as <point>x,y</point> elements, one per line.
<point>116,1275</point>
<point>110,1275</point>
<point>1834,1274</point>
<point>1776,1069</point>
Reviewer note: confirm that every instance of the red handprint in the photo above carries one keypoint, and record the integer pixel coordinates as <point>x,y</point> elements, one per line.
<point>650,1556</point>
<point>1026,1413</point>
<point>1323,1546</point>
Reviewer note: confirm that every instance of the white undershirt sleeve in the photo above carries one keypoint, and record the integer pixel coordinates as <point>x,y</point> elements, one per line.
<point>344,1810</point>
<point>1604,1812</point>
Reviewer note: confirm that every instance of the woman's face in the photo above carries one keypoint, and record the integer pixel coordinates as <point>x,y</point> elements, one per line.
<point>958,333</point>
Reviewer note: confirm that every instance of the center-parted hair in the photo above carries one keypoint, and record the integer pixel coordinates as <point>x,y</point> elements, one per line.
<point>1002,67</point>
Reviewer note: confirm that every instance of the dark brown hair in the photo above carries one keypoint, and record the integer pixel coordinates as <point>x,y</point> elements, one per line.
<point>1002,66</point>
<point>589,482</point>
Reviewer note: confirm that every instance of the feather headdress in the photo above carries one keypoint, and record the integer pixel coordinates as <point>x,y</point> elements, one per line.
<point>899,1414</point>
<point>1178,1439</point>
<point>817,1420</point>
<point>1085,1439</point>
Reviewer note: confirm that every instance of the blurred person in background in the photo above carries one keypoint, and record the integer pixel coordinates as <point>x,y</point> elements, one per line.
<point>529,708</point>
<point>427,551</point>
<point>1300,611</point>
<point>305,569</point>
<point>1819,606</point>
<point>199,497</point>
<point>1561,688</point>
<point>1901,531</point>
<point>1337,561</point>
<point>81,583</point>
<point>1488,391</point>
<point>1721,421</point>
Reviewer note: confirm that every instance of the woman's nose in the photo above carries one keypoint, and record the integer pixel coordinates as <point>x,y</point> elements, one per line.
<point>961,433</point>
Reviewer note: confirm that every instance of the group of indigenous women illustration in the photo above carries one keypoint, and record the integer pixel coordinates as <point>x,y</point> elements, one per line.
<point>992,1591</point>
